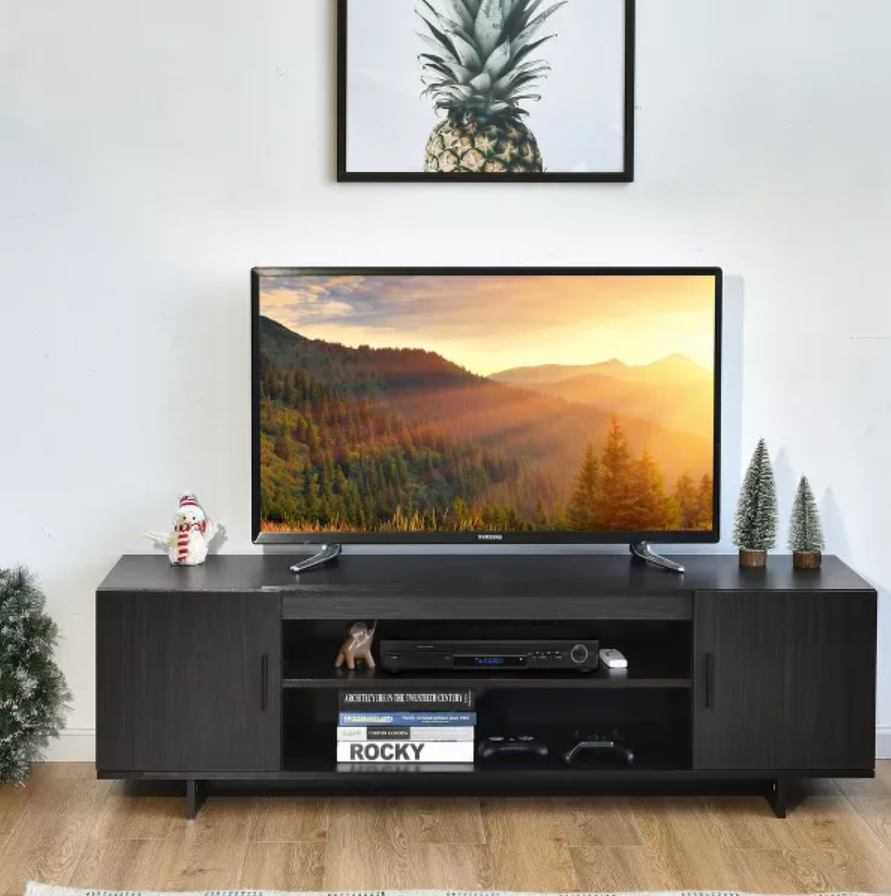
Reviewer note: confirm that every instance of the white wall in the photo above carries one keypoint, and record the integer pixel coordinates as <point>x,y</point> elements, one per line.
<point>151,153</point>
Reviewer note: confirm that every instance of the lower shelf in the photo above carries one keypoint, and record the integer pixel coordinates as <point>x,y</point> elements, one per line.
<point>653,753</point>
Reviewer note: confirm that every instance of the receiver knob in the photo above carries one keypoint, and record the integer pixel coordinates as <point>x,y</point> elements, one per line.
<point>579,653</point>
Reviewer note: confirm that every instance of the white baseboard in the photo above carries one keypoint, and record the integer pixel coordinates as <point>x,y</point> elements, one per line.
<point>73,745</point>
<point>79,745</point>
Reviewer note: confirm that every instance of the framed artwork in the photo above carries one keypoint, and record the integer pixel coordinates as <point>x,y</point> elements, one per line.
<point>490,90</point>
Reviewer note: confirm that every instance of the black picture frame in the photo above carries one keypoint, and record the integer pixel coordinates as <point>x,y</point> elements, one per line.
<point>710,536</point>
<point>626,175</point>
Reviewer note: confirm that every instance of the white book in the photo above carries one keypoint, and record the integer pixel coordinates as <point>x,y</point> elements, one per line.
<point>404,751</point>
<point>430,733</point>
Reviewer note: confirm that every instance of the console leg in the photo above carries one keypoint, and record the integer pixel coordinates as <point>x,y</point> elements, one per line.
<point>642,551</point>
<point>779,796</point>
<point>195,796</point>
<point>328,554</point>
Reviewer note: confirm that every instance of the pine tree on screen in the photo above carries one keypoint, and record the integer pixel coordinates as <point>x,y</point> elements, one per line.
<point>755,528</point>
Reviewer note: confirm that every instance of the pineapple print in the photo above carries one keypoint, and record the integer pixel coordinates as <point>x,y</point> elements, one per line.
<point>478,75</point>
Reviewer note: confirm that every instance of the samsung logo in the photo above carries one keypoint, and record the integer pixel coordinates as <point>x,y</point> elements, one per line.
<point>490,537</point>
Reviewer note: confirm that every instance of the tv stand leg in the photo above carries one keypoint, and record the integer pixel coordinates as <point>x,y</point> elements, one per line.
<point>328,554</point>
<point>779,796</point>
<point>642,551</point>
<point>195,796</point>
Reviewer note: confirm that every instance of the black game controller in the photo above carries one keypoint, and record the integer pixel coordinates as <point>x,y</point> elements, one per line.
<point>521,745</point>
<point>591,749</point>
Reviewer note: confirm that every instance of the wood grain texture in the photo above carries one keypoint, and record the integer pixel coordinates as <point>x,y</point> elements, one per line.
<point>367,846</point>
<point>731,690</point>
<point>596,821</point>
<point>68,832</point>
<point>527,846</point>
<point>284,819</point>
<point>47,841</point>
<point>283,866</point>
<point>179,681</point>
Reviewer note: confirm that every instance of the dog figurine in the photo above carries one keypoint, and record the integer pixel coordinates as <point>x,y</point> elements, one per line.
<point>357,647</point>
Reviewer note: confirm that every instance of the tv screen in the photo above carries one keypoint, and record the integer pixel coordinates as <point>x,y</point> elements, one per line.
<point>465,405</point>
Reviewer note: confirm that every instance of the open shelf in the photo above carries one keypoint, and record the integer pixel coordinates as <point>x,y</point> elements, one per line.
<point>654,753</point>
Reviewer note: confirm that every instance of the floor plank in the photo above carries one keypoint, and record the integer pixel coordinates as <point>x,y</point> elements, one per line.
<point>617,868</point>
<point>449,866</point>
<point>66,827</point>
<point>443,820</point>
<point>527,846</point>
<point>845,847</point>
<point>47,841</point>
<point>787,870</point>
<point>286,819</point>
<point>684,843</point>
<point>279,865</point>
<point>747,822</point>
<point>126,816</point>
<point>211,848</point>
<point>367,846</point>
<point>597,821</point>
<point>124,865</point>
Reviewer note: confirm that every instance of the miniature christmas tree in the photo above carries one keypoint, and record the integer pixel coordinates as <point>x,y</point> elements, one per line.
<point>756,513</point>
<point>805,528</point>
<point>33,695</point>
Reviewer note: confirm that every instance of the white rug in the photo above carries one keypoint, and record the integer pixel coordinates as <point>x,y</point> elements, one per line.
<point>34,889</point>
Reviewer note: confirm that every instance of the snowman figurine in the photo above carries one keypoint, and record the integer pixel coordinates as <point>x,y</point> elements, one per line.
<point>192,534</point>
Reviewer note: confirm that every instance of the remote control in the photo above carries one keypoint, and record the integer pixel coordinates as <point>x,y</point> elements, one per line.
<point>613,659</point>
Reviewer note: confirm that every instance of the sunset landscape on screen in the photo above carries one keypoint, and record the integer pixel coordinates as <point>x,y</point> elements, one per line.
<point>486,403</point>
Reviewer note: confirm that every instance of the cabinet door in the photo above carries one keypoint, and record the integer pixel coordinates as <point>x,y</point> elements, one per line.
<point>738,666</point>
<point>830,660</point>
<point>188,682</point>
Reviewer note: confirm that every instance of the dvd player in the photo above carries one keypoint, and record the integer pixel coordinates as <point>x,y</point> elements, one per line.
<point>513,656</point>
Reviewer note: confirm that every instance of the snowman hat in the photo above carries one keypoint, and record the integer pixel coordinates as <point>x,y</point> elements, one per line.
<point>188,503</point>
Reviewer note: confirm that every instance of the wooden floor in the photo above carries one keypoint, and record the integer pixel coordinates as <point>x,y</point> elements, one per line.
<point>65,827</point>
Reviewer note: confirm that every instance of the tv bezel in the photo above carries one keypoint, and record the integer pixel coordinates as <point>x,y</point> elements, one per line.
<point>709,536</point>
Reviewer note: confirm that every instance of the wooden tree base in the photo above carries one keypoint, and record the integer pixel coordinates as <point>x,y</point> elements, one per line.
<point>752,559</point>
<point>807,559</point>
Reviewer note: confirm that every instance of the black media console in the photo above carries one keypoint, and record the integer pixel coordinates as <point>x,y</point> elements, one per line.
<point>225,672</point>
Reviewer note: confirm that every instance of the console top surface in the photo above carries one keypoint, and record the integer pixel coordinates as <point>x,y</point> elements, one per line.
<point>432,576</point>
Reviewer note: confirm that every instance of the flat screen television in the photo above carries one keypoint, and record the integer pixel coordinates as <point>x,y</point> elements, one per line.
<point>419,405</point>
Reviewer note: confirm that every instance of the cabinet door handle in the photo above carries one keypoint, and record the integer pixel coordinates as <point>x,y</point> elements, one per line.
<point>708,681</point>
<point>264,681</point>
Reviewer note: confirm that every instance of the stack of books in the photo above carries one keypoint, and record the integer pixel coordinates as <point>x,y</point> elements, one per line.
<point>405,726</point>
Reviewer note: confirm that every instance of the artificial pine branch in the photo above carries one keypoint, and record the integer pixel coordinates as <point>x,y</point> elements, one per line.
<point>805,527</point>
<point>755,528</point>
<point>34,698</point>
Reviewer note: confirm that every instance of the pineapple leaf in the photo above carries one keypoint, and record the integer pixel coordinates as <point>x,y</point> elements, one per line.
<point>435,44</point>
<point>442,38</point>
<point>448,26</point>
<point>489,25</point>
<point>460,13</point>
<point>482,83</point>
<point>535,97</point>
<point>466,54</point>
<point>526,34</point>
<point>497,61</point>
<point>523,52</point>
<point>520,17</point>
<point>473,7</point>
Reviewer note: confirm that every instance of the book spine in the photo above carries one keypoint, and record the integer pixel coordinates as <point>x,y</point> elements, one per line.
<point>405,719</point>
<point>402,751</point>
<point>405,701</point>
<point>428,733</point>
